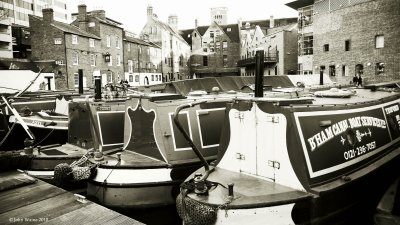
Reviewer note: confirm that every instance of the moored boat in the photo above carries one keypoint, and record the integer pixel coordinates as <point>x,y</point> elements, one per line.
<point>156,157</point>
<point>283,162</point>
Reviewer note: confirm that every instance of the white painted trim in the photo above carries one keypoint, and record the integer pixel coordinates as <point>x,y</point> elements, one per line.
<point>28,121</point>
<point>198,125</point>
<point>101,135</point>
<point>280,214</point>
<point>132,176</point>
<point>172,130</point>
<point>30,103</point>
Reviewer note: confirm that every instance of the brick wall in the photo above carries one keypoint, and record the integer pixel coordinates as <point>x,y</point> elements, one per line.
<point>360,24</point>
<point>43,48</point>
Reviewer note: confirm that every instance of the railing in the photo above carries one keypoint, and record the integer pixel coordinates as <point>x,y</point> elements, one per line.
<point>269,58</point>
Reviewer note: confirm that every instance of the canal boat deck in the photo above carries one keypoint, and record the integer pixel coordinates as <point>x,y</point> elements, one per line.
<point>361,95</point>
<point>25,200</point>
<point>249,191</point>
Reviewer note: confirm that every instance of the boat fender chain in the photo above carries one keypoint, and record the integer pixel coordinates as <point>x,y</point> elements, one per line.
<point>191,212</point>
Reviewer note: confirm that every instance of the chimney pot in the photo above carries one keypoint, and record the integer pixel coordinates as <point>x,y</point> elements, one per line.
<point>48,15</point>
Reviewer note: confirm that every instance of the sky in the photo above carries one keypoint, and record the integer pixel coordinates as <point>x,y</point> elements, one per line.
<point>132,14</point>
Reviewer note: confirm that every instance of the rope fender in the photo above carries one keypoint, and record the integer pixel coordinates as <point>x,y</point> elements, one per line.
<point>193,212</point>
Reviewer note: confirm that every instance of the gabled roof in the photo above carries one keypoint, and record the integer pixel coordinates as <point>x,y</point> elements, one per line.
<point>67,28</point>
<point>168,28</point>
<point>108,21</point>
<point>185,35</point>
<point>140,42</point>
<point>233,34</point>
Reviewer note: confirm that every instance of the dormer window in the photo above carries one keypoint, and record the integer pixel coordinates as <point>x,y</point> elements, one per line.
<point>229,29</point>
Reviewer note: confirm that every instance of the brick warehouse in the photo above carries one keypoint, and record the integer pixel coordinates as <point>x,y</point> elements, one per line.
<point>110,46</point>
<point>357,36</point>
<point>66,44</point>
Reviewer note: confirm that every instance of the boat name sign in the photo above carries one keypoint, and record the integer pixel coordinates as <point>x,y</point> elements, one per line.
<point>103,108</point>
<point>352,136</point>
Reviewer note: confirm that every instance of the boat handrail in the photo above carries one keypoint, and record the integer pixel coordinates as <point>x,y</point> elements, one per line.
<point>187,137</point>
<point>18,117</point>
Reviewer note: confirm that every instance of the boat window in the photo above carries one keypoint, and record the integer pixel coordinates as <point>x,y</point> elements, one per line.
<point>180,143</point>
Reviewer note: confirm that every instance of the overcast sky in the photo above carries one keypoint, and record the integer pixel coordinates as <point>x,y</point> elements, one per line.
<point>132,14</point>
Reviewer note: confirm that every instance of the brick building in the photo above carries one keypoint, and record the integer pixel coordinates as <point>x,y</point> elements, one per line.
<point>278,39</point>
<point>355,36</point>
<point>175,50</point>
<point>110,48</point>
<point>215,50</point>
<point>142,61</point>
<point>70,47</point>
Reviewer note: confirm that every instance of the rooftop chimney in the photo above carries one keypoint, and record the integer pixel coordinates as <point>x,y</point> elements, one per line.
<point>82,16</point>
<point>48,15</point>
<point>99,13</point>
<point>149,12</point>
<point>196,23</point>
<point>271,22</point>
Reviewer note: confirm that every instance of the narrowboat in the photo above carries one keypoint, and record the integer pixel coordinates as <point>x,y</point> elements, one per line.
<point>91,125</point>
<point>287,161</point>
<point>156,158</point>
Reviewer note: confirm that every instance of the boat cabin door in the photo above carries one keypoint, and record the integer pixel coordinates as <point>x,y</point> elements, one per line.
<point>271,143</point>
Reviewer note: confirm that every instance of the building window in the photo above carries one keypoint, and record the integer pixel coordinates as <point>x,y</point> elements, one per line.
<point>224,45</point>
<point>326,47</point>
<point>74,39</point>
<point>118,60</point>
<point>108,39</point>
<point>229,29</point>
<point>380,68</point>
<point>129,47</point>
<point>75,58</point>
<point>165,60</point>
<point>92,59</point>
<point>131,78</point>
<point>379,41</point>
<point>57,41</point>
<point>76,79</point>
<point>152,77</point>
<point>195,34</point>
<point>306,45</point>
<point>110,63</point>
<point>347,45</point>
<point>91,42</point>
<point>225,60</point>
<point>305,16</point>
<point>136,78</point>
<point>211,34</point>
<point>205,61</point>
<point>204,49</point>
<point>117,42</point>
<point>130,66</point>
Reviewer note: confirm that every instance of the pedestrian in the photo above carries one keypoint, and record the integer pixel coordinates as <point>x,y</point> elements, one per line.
<point>355,80</point>
<point>359,80</point>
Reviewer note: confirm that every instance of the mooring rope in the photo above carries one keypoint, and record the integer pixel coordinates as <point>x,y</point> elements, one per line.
<point>44,138</point>
<point>8,133</point>
<point>105,181</point>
